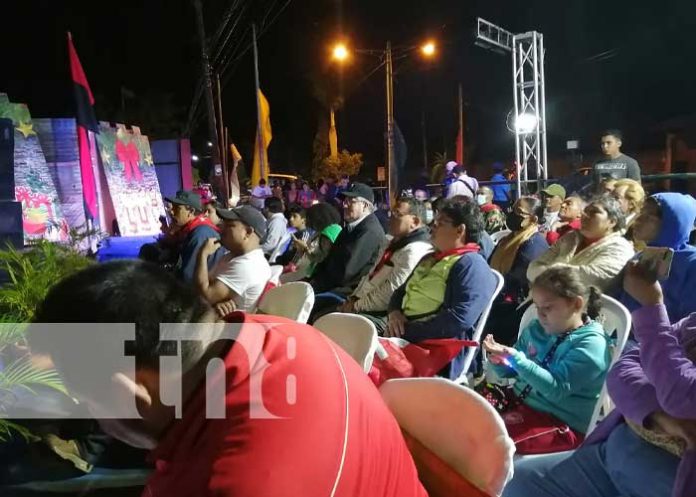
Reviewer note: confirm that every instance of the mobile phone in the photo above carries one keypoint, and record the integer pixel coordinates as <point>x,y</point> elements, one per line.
<point>657,260</point>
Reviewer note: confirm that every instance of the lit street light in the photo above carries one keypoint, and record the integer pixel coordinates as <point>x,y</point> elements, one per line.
<point>194,158</point>
<point>340,52</point>
<point>428,49</point>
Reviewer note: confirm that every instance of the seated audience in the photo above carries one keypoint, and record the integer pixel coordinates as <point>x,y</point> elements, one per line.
<point>356,249</point>
<point>297,218</point>
<point>449,289</point>
<point>511,258</point>
<point>241,276</point>
<point>666,221</point>
<point>598,249</point>
<point>568,219</point>
<point>561,358</point>
<point>194,230</point>
<point>277,225</point>
<point>647,444</point>
<point>410,243</point>
<point>260,443</point>
<point>324,220</point>
<point>493,215</point>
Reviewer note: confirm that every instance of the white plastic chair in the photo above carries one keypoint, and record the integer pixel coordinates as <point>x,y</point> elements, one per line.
<point>480,326</point>
<point>292,300</point>
<point>457,425</point>
<point>499,235</point>
<point>615,318</point>
<point>282,245</point>
<point>355,334</point>
<point>276,272</point>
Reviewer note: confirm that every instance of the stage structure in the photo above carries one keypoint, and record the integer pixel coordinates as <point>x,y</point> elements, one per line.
<point>529,95</point>
<point>132,181</point>
<point>35,188</point>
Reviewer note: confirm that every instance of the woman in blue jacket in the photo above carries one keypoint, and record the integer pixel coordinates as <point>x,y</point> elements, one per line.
<point>666,220</point>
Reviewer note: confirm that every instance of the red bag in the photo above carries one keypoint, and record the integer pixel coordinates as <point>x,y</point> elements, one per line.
<point>536,432</point>
<point>423,359</point>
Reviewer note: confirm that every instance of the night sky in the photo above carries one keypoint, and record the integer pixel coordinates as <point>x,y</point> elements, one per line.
<point>150,47</point>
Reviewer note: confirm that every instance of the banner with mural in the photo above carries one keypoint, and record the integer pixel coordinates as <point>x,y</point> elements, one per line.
<point>131,177</point>
<point>35,186</point>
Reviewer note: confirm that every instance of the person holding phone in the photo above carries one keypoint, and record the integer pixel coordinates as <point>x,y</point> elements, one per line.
<point>647,445</point>
<point>666,221</point>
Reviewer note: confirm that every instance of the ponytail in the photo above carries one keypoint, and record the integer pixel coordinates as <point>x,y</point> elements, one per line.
<point>594,303</point>
<point>565,281</point>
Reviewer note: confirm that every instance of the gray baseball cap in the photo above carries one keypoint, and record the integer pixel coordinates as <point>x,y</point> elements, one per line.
<point>248,215</point>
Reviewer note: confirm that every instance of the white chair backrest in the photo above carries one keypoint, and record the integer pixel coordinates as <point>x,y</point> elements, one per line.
<point>457,425</point>
<point>615,319</point>
<point>478,331</point>
<point>276,272</point>
<point>282,245</point>
<point>292,300</point>
<point>355,334</point>
<point>499,235</point>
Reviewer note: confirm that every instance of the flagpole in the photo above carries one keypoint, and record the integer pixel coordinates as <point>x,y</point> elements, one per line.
<point>210,102</point>
<point>461,118</point>
<point>221,144</point>
<point>390,123</point>
<point>259,134</point>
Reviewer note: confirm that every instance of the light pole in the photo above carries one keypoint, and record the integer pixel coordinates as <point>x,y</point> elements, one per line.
<point>341,53</point>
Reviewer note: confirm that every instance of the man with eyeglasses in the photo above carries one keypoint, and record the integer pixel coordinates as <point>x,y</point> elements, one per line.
<point>353,254</point>
<point>410,243</point>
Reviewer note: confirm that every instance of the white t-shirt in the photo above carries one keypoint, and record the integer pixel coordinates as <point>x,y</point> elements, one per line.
<point>246,275</point>
<point>459,187</point>
<point>260,191</point>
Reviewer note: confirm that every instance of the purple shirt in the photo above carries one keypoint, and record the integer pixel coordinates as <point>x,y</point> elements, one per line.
<point>659,376</point>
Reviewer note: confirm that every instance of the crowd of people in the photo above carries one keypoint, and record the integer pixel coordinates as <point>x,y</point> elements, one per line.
<point>430,275</point>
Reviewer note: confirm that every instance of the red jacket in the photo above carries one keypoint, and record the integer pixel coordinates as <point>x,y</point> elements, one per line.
<point>553,236</point>
<point>338,433</point>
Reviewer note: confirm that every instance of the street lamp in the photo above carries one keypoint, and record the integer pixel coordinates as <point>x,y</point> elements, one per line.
<point>341,53</point>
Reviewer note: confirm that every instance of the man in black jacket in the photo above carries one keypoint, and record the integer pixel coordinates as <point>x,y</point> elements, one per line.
<point>353,254</point>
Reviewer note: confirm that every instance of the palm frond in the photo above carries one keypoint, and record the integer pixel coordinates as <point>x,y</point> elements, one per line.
<point>23,374</point>
<point>8,427</point>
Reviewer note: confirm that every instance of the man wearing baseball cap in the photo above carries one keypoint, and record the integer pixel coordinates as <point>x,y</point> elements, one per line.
<point>553,197</point>
<point>239,279</point>
<point>195,229</point>
<point>355,251</point>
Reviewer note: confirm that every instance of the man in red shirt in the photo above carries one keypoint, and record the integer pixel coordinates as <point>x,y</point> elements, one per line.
<point>270,407</point>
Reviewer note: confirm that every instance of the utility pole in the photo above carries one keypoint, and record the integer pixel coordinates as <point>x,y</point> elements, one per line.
<point>391,187</point>
<point>221,126</point>
<point>208,85</point>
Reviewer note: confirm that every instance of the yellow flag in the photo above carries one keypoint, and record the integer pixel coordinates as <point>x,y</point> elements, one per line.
<point>235,190</point>
<point>333,137</point>
<point>261,168</point>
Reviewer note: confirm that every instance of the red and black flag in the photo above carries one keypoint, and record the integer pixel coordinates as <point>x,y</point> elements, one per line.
<point>86,122</point>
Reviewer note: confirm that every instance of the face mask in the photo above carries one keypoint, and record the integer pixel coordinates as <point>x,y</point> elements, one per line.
<point>428,216</point>
<point>514,221</point>
<point>481,199</point>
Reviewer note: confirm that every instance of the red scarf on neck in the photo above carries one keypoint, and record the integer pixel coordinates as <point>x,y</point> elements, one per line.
<point>469,247</point>
<point>200,220</point>
<point>486,208</point>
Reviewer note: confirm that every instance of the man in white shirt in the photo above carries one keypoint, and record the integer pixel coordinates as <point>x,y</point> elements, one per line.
<point>277,225</point>
<point>259,194</point>
<point>463,184</point>
<point>240,278</point>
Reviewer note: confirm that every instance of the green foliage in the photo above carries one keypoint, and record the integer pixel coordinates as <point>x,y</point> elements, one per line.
<point>345,163</point>
<point>32,273</point>
<point>437,169</point>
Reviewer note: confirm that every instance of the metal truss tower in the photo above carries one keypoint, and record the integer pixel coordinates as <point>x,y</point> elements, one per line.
<point>529,95</point>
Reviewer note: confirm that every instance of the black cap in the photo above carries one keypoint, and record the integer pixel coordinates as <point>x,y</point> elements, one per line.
<point>188,198</point>
<point>248,215</point>
<point>360,190</point>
